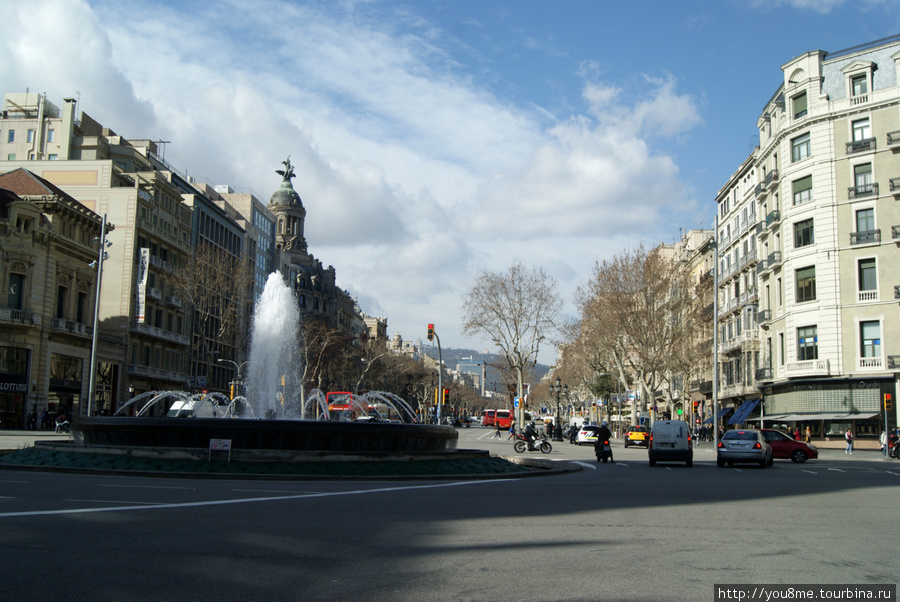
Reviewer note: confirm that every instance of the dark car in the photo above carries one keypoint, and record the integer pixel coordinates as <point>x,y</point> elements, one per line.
<point>784,446</point>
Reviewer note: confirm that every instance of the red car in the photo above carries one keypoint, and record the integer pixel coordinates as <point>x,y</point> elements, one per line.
<point>784,446</point>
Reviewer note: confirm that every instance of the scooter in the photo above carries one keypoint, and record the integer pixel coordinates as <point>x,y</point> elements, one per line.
<point>521,444</point>
<point>603,451</point>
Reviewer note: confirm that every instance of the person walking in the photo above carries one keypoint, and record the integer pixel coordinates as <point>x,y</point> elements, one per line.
<point>883,440</point>
<point>808,436</point>
<point>512,430</point>
<point>848,436</point>
<point>496,431</point>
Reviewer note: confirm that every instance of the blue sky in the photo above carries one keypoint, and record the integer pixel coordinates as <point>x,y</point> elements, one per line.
<point>435,139</point>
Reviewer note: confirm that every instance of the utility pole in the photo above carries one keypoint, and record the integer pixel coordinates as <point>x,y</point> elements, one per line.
<point>432,335</point>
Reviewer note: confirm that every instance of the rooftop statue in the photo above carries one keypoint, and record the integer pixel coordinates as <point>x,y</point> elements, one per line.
<point>288,172</point>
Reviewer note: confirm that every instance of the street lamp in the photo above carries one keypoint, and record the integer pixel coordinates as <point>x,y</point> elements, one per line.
<point>239,379</point>
<point>557,431</point>
<point>97,263</point>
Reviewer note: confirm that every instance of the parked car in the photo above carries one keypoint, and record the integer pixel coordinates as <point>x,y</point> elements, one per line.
<point>743,446</point>
<point>670,440</point>
<point>587,434</point>
<point>784,446</point>
<point>637,435</point>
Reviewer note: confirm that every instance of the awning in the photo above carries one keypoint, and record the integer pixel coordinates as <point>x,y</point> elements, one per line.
<point>721,414</point>
<point>822,416</point>
<point>742,412</point>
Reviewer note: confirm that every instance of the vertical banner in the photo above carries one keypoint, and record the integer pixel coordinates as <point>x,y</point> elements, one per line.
<point>143,269</point>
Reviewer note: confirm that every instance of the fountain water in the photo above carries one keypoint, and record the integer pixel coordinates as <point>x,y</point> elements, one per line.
<point>272,381</point>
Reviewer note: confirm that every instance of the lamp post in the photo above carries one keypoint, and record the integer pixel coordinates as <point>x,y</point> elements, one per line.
<point>557,431</point>
<point>239,378</point>
<point>97,263</point>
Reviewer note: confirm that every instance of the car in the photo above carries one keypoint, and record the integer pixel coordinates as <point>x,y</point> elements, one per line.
<point>743,446</point>
<point>784,446</point>
<point>637,435</point>
<point>670,440</point>
<point>587,434</point>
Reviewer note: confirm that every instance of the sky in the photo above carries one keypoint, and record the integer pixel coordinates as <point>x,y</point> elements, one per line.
<point>435,139</point>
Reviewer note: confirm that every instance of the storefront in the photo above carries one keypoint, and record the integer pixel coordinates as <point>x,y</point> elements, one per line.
<point>13,386</point>
<point>829,407</point>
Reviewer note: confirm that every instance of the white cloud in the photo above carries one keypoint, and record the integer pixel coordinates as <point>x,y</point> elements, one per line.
<point>412,176</point>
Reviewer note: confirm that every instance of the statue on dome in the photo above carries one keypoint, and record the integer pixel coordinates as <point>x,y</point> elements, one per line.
<point>288,172</point>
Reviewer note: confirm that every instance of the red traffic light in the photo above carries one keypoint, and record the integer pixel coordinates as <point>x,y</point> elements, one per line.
<point>431,332</point>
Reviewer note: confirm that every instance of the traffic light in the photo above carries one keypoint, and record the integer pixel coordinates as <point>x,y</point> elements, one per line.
<point>445,398</point>
<point>888,401</point>
<point>431,332</point>
<point>232,390</point>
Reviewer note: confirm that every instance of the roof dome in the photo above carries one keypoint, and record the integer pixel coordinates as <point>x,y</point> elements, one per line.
<point>286,195</point>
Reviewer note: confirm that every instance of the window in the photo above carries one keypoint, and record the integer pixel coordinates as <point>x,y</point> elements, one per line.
<point>802,190</point>
<point>29,135</point>
<point>807,344</point>
<point>865,220</point>
<point>50,135</point>
<point>15,295</point>
<point>61,302</point>
<point>800,106</point>
<point>870,339</point>
<point>79,309</point>
<point>862,178</point>
<point>859,85</point>
<point>52,157</point>
<point>861,130</point>
<point>806,284</point>
<point>868,274</point>
<point>11,136</point>
<point>800,148</point>
<point>803,233</point>
<point>11,157</point>
<point>781,348</point>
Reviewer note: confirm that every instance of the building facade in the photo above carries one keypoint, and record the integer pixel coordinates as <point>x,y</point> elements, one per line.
<point>822,183</point>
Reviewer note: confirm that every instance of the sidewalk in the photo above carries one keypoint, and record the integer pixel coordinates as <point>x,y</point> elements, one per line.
<point>19,439</point>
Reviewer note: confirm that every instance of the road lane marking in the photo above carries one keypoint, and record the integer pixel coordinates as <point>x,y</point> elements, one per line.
<point>144,487</point>
<point>249,500</point>
<point>590,465</point>
<point>809,471</point>
<point>22,482</point>
<point>893,473</point>
<point>109,501</point>
<point>836,469</point>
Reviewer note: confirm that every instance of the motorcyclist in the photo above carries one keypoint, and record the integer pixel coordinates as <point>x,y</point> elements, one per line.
<point>530,434</point>
<point>603,435</point>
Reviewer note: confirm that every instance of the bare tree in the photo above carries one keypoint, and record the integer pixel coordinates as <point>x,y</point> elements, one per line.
<point>517,310</point>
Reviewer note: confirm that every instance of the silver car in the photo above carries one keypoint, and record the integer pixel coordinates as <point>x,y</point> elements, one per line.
<point>744,446</point>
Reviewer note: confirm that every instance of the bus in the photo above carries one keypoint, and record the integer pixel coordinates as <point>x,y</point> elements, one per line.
<point>502,417</point>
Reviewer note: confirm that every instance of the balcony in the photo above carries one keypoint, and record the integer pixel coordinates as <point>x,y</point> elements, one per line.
<point>760,189</point>
<point>71,327</point>
<point>154,293</point>
<point>749,296</point>
<point>896,292</point>
<point>894,186</point>
<point>771,178</point>
<point>862,190</point>
<point>808,368</point>
<point>869,363</point>
<point>764,316</point>
<point>19,316</point>
<point>157,373</point>
<point>173,301</point>
<point>865,237</point>
<point>159,333</point>
<point>893,362</point>
<point>861,146</point>
<point>705,387</point>
<point>773,260</point>
<point>895,232</point>
<point>761,267</point>
<point>764,374</point>
<point>866,296</point>
<point>893,139</point>
<point>773,218</point>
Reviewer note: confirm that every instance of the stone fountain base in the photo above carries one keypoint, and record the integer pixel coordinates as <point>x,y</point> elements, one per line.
<point>273,435</point>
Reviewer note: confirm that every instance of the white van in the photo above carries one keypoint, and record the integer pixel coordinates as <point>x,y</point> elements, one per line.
<point>670,440</point>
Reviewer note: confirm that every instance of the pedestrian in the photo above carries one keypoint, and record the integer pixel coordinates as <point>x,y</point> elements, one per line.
<point>512,430</point>
<point>797,434</point>
<point>848,436</point>
<point>573,433</point>
<point>808,436</point>
<point>496,431</point>
<point>883,440</point>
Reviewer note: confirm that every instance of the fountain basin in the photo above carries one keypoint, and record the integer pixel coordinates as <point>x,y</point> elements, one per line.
<point>287,435</point>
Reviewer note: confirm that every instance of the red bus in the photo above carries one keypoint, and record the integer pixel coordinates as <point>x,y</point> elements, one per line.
<point>487,418</point>
<point>339,401</point>
<point>502,417</point>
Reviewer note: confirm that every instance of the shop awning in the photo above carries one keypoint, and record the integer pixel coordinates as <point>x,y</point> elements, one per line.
<point>721,414</point>
<point>822,416</point>
<point>742,412</point>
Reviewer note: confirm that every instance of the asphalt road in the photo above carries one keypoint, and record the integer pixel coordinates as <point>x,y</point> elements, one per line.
<point>616,531</point>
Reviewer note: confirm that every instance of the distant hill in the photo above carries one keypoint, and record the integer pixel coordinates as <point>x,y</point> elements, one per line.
<point>453,358</point>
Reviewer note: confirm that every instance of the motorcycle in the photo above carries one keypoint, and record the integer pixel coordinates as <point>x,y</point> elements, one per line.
<point>542,444</point>
<point>603,451</point>
<point>893,446</point>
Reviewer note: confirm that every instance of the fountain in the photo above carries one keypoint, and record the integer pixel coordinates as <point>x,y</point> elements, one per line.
<point>271,418</point>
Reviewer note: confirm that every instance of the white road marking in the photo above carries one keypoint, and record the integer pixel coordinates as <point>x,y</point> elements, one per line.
<point>22,482</point>
<point>248,500</point>
<point>810,472</point>
<point>893,473</point>
<point>143,487</point>
<point>836,469</point>
<point>590,465</point>
<point>110,501</point>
